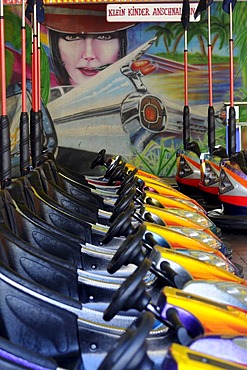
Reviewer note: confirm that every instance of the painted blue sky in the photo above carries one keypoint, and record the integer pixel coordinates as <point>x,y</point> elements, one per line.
<point>138,35</point>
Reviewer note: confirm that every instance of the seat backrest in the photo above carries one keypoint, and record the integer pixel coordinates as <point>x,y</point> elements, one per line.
<point>194,147</point>
<point>15,357</point>
<point>220,151</point>
<point>55,214</point>
<point>37,232</point>
<point>239,158</point>
<point>39,267</point>
<point>35,324</point>
<point>83,208</point>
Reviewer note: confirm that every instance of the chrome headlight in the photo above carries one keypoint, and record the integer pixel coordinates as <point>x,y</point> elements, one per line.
<point>195,217</point>
<point>184,168</point>
<point>225,184</point>
<point>199,235</point>
<point>192,205</point>
<point>209,176</point>
<point>210,258</point>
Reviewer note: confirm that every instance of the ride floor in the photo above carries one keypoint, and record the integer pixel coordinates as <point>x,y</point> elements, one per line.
<point>238,242</point>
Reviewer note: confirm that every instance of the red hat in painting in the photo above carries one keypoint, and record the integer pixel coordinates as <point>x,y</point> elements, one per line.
<point>81,18</point>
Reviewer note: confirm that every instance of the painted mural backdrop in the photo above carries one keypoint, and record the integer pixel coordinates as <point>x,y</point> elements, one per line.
<point>119,86</point>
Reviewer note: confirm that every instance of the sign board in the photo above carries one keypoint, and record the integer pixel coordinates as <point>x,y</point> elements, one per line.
<point>153,12</point>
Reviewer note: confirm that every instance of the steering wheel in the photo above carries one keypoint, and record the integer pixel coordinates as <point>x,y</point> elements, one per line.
<point>113,165</point>
<point>121,225</point>
<point>130,251</point>
<point>123,204</point>
<point>130,352</point>
<point>131,294</point>
<point>116,174</point>
<point>126,189</point>
<point>99,160</point>
<point>129,178</point>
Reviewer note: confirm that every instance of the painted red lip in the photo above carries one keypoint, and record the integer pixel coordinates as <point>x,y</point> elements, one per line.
<point>88,71</point>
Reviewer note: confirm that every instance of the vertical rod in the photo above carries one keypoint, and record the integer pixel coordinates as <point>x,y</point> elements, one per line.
<point>210,80</point>
<point>2,62</point>
<point>23,59</point>
<point>185,68</point>
<point>35,131</point>
<point>232,114</point>
<point>35,61</point>
<point>186,112</point>
<point>211,115</point>
<point>5,148</point>
<point>24,124</point>
<point>231,60</point>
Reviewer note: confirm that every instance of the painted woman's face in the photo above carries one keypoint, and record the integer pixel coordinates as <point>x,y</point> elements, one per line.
<point>86,55</point>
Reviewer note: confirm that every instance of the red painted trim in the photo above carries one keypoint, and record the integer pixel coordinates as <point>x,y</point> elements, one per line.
<point>238,201</point>
<point>190,182</point>
<point>208,189</point>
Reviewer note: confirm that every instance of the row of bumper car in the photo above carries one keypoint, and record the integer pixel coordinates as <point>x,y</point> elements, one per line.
<point>118,272</point>
<point>218,183</point>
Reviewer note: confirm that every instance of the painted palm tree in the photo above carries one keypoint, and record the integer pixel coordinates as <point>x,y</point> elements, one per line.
<point>178,33</point>
<point>220,30</point>
<point>196,29</point>
<point>199,30</point>
<point>240,34</point>
<point>164,32</point>
<point>240,19</point>
<point>12,28</point>
<point>9,30</point>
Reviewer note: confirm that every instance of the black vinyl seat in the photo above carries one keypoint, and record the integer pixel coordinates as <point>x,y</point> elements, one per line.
<point>194,147</point>
<point>34,230</point>
<point>15,357</point>
<point>37,325</point>
<point>56,326</point>
<point>220,151</point>
<point>77,206</point>
<point>75,188</point>
<point>38,266</point>
<point>51,272</point>
<point>29,200</point>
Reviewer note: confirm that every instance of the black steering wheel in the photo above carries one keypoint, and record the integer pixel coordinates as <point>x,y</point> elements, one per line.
<point>129,178</point>
<point>130,352</point>
<point>130,251</point>
<point>123,190</point>
<point>121,226</point>
<point>99,160</point>
<point>113,165</point>
<point>123,204</point>
<point>117,174</point>
<point>131,294</point>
